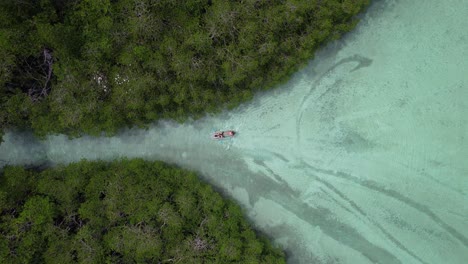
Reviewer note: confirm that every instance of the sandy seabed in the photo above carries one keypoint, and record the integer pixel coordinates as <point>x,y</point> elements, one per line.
<point>359,158</point>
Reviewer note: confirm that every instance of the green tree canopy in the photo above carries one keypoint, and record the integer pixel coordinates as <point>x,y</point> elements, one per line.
<point>95,66</point>
<point>128,211</point>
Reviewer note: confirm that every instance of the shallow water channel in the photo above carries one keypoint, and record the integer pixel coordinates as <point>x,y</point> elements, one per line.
<point>359,158</point>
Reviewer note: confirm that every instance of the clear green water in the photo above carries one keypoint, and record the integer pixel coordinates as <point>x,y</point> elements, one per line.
<point>360,158</point>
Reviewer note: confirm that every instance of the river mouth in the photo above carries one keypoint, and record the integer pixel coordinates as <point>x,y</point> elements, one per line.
<point>359,158</point>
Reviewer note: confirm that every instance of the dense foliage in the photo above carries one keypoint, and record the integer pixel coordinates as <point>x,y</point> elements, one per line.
<point>97,65</point>
<point>128,211</point>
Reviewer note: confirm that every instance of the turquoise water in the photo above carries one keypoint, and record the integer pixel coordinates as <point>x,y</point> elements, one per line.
<point>359,158</point>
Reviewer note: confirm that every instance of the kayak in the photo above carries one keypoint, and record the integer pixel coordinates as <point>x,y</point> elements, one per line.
<point>223,134</point>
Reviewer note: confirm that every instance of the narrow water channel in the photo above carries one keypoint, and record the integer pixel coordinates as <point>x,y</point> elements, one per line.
<point>359,158</point>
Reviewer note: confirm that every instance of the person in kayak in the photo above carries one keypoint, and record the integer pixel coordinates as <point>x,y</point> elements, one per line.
<point>219,135</point>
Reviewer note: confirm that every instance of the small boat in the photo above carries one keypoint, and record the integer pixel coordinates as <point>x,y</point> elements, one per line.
<point>223,134</point>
